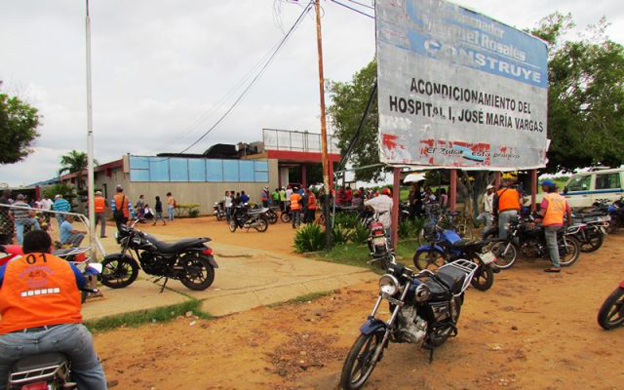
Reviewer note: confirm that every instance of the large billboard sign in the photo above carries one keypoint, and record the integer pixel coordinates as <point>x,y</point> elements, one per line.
<point>458,89</point>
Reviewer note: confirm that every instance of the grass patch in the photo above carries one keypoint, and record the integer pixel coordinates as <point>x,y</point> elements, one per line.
<point>358,255</point>
<point>138,318</point>
<point>301,299</point>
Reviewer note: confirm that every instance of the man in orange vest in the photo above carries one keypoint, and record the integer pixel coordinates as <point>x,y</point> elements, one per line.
<point>295,207</point>
<point>99,207</point>
<point>553,209</point>
<point>122,207</point>
<point>506,206</point>
<point>40,308</point>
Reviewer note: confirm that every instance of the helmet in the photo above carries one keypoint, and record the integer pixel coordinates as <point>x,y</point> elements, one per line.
<point>119,188</point>
<point>387,191</point>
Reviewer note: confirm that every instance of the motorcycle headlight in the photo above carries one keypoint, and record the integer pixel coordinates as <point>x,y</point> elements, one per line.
<point>422,293</point>
<point>389,285</point>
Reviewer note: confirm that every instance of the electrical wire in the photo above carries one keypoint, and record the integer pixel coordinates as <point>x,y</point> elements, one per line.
<point>260,73</point>
<point>363,5</point>
<point>352,9</point>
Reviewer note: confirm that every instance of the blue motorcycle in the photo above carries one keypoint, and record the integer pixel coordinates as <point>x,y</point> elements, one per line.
<point>444,246</point>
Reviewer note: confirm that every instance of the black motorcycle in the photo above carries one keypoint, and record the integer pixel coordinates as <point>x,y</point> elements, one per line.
<point>424,311</point>
<point>590,234</point>
<point>190,261</point>
<point>528,238</point>
<point>219,211</point>
<point>244,217</point>
<point>616,212</point>
<point>611,314</point>
<point>380,250</point>
<point>272,214</point>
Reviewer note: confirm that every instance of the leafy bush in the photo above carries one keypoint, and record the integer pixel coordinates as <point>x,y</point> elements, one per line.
<point>411,229</point>
<point>340,235</point>
<point>346,220</point>
<point>193,213</point>
<point>190,209</point>
<point>359,234</point>
<point>309,238</point>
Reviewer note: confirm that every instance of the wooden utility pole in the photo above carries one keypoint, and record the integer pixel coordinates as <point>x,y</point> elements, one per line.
<point>326,179</point>
<point>319,41</point>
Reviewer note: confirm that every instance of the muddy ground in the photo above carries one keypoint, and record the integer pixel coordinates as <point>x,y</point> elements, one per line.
<point>532,330</point>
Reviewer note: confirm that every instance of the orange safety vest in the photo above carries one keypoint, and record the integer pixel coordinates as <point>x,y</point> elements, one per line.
<point>508,199</point>
<point>294,201</point>
<point>311,202</point>
<point>99,204</point>
<point>119,206</point>
<point>555,211</point>
<point>38,289</point>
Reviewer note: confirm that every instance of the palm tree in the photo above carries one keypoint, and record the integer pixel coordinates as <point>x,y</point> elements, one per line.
<point>75,162</point>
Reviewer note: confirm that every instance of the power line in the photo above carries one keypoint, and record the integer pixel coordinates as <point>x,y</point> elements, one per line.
<point>253,81</point>
<point>352,9</point>
<point>363,5</point>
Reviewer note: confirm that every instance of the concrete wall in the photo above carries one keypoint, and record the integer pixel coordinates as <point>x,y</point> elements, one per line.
<point>203,193</point>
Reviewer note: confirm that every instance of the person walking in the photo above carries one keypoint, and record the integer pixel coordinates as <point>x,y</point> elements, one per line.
<point>506,206</point>
<point>40,309</point>
<point>487,215</point>
<point>60,204</point>
<point>7,228</point>
<point>295,207</point>
<point>553,210</point>
<point>158,212</point>
<point>23,217</point>
<point>121,208</point>
<point>171,204</point>
<point>99,207</point>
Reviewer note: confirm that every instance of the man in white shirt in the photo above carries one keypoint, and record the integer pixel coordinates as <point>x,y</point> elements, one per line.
<point>488,206</point>
<point>382,205</point>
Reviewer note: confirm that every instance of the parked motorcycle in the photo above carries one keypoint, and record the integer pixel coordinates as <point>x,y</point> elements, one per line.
<point>611,314</point>
<point>445,246</point>
<point>244,217</point>
<point>525,236</point>
<point>378,245</point>
<point>190,260</point>
<point>590,235</point>
<point>425,309</point>
<point>272,215</point>
<point>616,212</point>
<point>219,211</point>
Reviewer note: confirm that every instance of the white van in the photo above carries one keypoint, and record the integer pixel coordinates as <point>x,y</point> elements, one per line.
<point>583,189</point>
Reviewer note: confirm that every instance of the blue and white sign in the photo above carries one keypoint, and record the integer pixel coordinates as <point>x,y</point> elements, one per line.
<point>458,89</point>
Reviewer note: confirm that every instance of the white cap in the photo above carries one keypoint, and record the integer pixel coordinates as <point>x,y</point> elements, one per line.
<point>489,187</point>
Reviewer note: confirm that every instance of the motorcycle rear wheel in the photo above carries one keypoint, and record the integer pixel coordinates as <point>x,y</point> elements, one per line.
<point>118,271</point>
<point>199,273</point>
<point>359,366</point>
<point>611,314</point>
<point>595,238</point>
<point>272,217</point>
<point>285,217</point>
<point>571,253</point>
<point>261,225</point>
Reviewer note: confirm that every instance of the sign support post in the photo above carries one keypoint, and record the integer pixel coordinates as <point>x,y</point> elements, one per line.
<point>453,190</point>
<point>396,198</point>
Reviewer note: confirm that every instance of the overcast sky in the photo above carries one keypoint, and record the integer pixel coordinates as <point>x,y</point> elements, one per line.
<point>161,66</point>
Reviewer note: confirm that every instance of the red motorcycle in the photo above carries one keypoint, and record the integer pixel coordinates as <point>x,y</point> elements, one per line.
<point>611,314</point>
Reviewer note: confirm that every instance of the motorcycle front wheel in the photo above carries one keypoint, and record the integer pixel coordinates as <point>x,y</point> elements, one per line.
<point>199,273</point>
<point>611,314</point>
<point>359,364</point>
<point>483,278</point>
<point>261,225</point>
<point>506,254</point>
<point>272,217</point>
<point>594,240</point>
<point>232,225</point>
<point>118,271</point>
<point>430,259</point>
<point>569,251</point>
<point>285,217</point>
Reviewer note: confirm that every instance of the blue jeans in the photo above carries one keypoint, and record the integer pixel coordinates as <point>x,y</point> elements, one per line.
<point>551,243</point>
<point>170,209</point>
<point>19,227</point>
<point>296,217</point>
<point>504,218</point>
<point>73,340</point>
<point>228,213</point>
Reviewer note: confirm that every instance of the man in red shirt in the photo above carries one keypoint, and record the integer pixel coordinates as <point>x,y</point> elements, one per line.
<point>40,308</point>
<point>311,208</point>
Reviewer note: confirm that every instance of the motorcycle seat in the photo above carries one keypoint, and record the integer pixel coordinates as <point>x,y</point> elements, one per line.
<point>176,247</point>
<point>438,292</point>
<point>468,245</point>
<point>258,210</point>
<point>34,362</point>
<point>452,277</point>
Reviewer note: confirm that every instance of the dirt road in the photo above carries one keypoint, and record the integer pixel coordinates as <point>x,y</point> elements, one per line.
<point>532,330</point>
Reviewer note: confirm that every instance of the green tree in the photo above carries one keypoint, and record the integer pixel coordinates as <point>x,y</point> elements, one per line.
<point>75,162</point>
<point>18,129</point>
<point>349,100</point>
<point>585,111</point>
